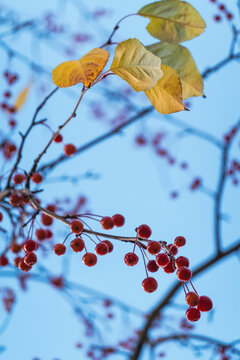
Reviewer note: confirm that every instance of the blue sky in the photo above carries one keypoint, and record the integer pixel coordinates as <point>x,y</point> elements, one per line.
<point>132,181</point>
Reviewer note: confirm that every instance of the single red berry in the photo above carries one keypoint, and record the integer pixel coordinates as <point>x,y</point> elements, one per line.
<point>3,260</point>
<point>204,303</point>
<point>58,138</point>
<point>30,259</point>
<point>15,248</point>
<point>193,314</point>
<point>169,268</point>
<point>222,7</point>
<point>192,298</point>
<point>118,220</point>
<point>149,284</point>
<point>109,244</point>
<point>162,259</point>
<point>51,207</point>
<point>76,226</point>
<point>17,260</point>
<point>152,266</point>
<point>144,231</point>
<point>24,267</point>
<point>140,140</point>
<point>131,259</point>
<point>29,245</point>
<point>48,234</point>
<point>77,244</point>
<point>1,216</point>
<point>101,248</point>
<point>46,220</point>
<point>89,259</point>
<point>107,223</point>
<point>217,18</point>
<point>57,281</point>
<point>181,261</point>
<point>37,178</point>
<point>153,247</point>
<point>69,149</point>
<point>173,248</point>
<point>229,16</point>
<point>40,234</point>
<point>18,179</point>
<point>180,241</point>
<point>184,274</point>
<point>7,94</point>
<point>59,249</point>
<point>15,199</point>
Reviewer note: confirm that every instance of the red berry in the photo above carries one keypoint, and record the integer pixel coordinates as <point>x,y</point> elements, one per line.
<point>173,248</point>
<point>15,248</point>
<point>109,244</point>
<point>29,245</point>
<point>149,284</point>
<point>118,220</point>
<point>51,207</point>
<point>152,266</point>
<point>77,244</point>
<point>184,274</point>
<point>89,259</point>
<point>46,220</point>
<point>181,261</point>
<point>17,261</point>
<point>229,16</point>
<point>144,231</point>
<point>217,18</point>
<point>1,216</point>
<point>180,241</point>
<point>76,226</point>
<point>205,303</point>
<point>221,7</point>
<point>192,298</point>
<point>37,178</point>
<point>101,248</point>
<point>30,259</point>
<point>15,199</point>
<point>40,234</point>
<point>69,149</point>
<point>169,268</point>
<point>59,249</point>
<point>153,247</point>
<point>24,267</point>
<point>18,179</point>
<point>3,260</point>
<point>58,138</point>
<point>162,259</point>
<point>107,223</point>
<point>131,259</point>
<point>193,314</point>
<point>48,234</point>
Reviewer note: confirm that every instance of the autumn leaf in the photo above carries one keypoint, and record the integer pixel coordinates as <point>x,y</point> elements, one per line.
<point>22,97</point>
<point>180,59</point>
<point>136,65</point>
<point>85,70</point>
<point>173,21</point>
<point>166,96</point>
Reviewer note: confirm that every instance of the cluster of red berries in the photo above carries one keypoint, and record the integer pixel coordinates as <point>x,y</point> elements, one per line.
<point>223,10</point>
<point>8,149</point>
<point>68,149</point>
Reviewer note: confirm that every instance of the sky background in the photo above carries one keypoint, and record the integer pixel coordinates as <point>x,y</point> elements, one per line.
<point>131,180</point>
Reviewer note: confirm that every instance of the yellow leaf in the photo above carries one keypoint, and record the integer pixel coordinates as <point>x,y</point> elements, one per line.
<point>21,98</point>
<point>84,70</point>
<point>136,65</point>
<point>166,96</point>
<point>180,59</point>
<point>173,21</point>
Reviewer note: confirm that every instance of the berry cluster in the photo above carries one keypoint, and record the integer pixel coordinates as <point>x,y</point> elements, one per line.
<point>223,11</point>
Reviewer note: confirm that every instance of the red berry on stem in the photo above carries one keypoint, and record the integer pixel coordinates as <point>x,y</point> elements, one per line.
<point>58,138</point>
<point>3,260</point>
<point>152,266</point>
<point>89,259</point>
<point>109,244</point>
<point>29,245</point>
<point>184,274</point>
<point>101,248</point>
<point>204,303</point>
<point>144,231</point>
<point>15,199</point>
<point>30,259</point>
<point>149,284</point>
<point>77,244</point>
<point>37,178</point>
<point>59,249</point>
<point>153,247</point>
<point>17,261</point>
<point>69,149</point>
<point>193,314</point>
<point>76,226</point>
<point>192,298</point>
<point>40,234</point>
<point>18,179</point>
<point>131,259</point>
<point>46,220</point>
<point>118,220</point>
<point>181,261</point>
<point>107,223</point>
<point>162,259</point>
<point>15,248</point>
<point>24,267</point>
<point>173,248</point>
<point>180,241</point>
<point>169,268</point>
